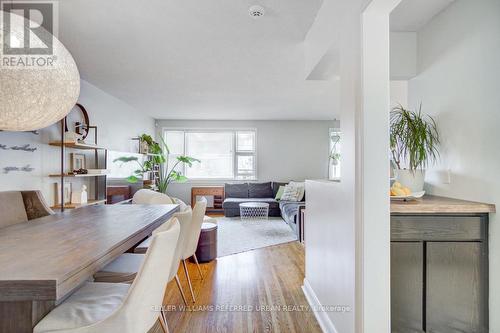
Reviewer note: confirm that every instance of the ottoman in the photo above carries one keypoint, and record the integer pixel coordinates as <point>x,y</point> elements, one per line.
<point>207,244</point>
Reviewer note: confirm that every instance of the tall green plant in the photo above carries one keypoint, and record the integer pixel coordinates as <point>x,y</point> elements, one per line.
<point>159,154</point>
<point>414,138</point>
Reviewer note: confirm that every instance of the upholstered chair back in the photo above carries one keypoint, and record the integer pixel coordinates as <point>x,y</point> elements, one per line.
<point>185,219</point>
<point>139,311</point>
<point>150,197</point>
<point>194,234</point>
<point>21,206</point>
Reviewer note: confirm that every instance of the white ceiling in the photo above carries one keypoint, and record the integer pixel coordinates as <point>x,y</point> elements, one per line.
<point>195,59</point>
<point>413,15</point>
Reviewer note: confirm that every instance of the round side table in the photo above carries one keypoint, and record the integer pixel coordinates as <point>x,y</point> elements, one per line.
<point>254,210</point>
<point>207,244</point>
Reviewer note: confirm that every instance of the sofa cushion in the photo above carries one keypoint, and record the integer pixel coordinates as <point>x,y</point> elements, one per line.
<point>280,193</point>
<point>234,203</point>
<point>12,208</point>
<point>260,190</point>
<point>236,190</point>
<point>276,187</point>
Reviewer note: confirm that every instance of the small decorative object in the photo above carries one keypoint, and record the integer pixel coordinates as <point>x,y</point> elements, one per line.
<point>32,98</point>
<point>77,161</point>
<point>26,168</point>
<point>26,148</point>
<point>413,141</point>
<point>80,172</point>
<point>79,196</point>
<point>67,193</point>
<point>72,137</point>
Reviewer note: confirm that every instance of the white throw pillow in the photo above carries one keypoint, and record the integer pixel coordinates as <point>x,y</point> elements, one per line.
<point>301,189</point>
<point>290,193</point>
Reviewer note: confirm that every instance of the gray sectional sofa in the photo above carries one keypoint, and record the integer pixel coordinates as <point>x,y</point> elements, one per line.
<point>261,192</point>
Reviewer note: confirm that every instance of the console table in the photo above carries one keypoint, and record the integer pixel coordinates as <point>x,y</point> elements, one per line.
<point>210,191</point>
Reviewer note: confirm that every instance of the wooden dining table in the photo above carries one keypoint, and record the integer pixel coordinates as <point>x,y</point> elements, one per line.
<point>45,260</point>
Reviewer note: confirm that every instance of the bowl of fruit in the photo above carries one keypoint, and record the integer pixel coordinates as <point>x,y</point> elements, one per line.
<point>403,193</point>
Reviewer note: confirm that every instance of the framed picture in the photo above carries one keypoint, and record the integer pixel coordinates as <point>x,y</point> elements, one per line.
<point>77,161</point>
<point>67,193</point>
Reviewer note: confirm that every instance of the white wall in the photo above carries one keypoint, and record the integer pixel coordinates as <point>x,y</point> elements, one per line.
<point>403,53</point>
<point>458,82</point>
<point>399,93</point>
<point>347,250</point>
<point>117,122</point>
<point>331,250</point>
<point>286,150</point>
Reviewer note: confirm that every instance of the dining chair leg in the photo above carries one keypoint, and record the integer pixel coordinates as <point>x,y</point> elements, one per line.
<point>180,289</point>
<point>198,265</point>
<point>163,323</point>
<point>189,280</point>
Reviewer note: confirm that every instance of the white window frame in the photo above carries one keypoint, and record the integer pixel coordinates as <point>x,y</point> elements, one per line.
<point>235,151</point>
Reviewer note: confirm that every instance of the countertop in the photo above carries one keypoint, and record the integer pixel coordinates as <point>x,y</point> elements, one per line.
<point>440,205</point>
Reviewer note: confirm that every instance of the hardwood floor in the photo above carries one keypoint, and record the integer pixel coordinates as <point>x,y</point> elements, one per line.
<point>255,281</point>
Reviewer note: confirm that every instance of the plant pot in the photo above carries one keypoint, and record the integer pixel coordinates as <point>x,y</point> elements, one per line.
<point>413,179</point>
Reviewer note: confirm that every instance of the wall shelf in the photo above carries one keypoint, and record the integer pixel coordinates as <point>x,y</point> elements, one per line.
<point>76,145</point>
<point>79,175</point>
<point>100,163</point>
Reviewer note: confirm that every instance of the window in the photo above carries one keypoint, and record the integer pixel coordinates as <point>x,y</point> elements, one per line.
<point>224,154</point>
<point>334,157</point>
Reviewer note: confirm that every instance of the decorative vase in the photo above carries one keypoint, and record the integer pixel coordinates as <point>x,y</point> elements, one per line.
<point>413,179</point>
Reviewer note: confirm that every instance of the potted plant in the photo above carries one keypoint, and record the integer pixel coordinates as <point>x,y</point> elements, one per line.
<point>158,163</point>
<point>413,142</point>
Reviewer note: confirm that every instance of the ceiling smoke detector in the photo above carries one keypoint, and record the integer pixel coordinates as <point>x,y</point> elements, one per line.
<point>256,11</point>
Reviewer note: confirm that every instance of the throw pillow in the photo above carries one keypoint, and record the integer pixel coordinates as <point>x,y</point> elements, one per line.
<point>301,189</point>
<point>290,193</point>
<point>280,193</point>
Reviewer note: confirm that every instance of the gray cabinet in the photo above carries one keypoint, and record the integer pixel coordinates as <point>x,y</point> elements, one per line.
<point>406,286</point>
<point>439,273</point>
<point>456,287</point>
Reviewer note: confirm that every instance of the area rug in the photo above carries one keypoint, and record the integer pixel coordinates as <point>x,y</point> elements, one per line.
<point>235,235</point>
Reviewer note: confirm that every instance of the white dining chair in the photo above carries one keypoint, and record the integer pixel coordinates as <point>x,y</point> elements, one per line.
<point>124,268</point>
<point>150,197</point>
<point>192,240</point>
<point>117,307</point>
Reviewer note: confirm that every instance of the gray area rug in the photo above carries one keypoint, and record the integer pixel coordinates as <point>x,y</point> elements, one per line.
<point>235,235</point>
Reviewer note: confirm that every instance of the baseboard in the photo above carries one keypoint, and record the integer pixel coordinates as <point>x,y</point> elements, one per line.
<point>321,316</point>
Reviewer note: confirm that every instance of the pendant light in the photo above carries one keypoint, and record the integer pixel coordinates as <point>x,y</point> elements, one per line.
<point>36,91</point>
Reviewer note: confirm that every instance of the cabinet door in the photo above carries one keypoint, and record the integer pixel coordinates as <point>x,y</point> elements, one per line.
<point>456,287</point>
<point>406,286</point>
